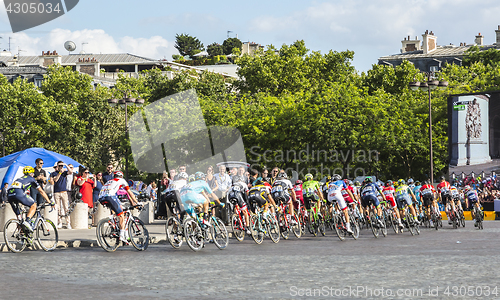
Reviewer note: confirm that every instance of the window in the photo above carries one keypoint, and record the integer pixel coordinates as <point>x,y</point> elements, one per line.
<point>434,68</point>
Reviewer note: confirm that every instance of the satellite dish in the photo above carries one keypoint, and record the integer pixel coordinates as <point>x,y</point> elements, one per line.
<point>70,46</point>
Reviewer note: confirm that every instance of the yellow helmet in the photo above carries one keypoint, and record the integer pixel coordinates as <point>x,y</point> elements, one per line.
<point>28,170</point>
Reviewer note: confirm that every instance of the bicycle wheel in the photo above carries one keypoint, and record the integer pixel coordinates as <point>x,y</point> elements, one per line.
<point>462,218</point>
<point>355,229</point>
<point>174,231</point>
<point>311,225</point>
<point>13,234</point>
<point>108,235</point>
<point>374,227</point>
<point>257,229</point>
<point>193,234</point>
<point>47,235</point>
<point>283,222</point>
<point>454,220</point>
<point>383,229</point>
<point>219,233</point>
<point>138,233</point>
<point>337,224</point>
<point>237,227</point>
<point>321,225</point>
<point>273,229</point>
<point>393,222</point>
<point>296,229</point>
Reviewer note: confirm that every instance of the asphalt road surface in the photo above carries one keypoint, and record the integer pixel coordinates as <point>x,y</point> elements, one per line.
<point>449,263</point>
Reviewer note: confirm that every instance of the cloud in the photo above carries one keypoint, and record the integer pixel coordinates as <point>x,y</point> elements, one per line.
<point>96,41</point>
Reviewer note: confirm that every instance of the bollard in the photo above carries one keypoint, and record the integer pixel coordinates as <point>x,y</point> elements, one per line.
<point>80,216</point>
<point>50,215</point>
<point>147,214</point>
<point>101,213</point>
<point>6,213</point>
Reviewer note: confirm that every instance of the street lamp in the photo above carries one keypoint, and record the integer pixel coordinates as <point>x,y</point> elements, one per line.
<point>428,86</point>
<point>125,102</point>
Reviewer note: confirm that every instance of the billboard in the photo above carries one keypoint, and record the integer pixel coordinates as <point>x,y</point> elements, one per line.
<point>474,133</point>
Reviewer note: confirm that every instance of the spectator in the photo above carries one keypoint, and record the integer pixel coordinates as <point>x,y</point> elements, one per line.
<point>41,178</point>
<point>181,169</point>
<point>233,172</point>
<point>265,173</point>
<point>3,195</point>
<point>210,179</point>
<point>71,183</point>
<point>153,192</point>
<point>86,186</point>
<point>274,173</point>
<point>99,183</point>
<point>108,175</point>
<point>59,180</point>
<point>223,181</point>
<point>242,173</point>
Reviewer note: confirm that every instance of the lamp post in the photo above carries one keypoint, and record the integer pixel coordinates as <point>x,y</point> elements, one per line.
<point>428,86</point>
<point>125,102</point>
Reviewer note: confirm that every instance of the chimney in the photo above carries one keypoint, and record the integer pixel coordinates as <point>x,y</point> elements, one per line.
<point>408,45</point>
<point>498,37</point>
<point>429,42</point>
<point>479,39</point>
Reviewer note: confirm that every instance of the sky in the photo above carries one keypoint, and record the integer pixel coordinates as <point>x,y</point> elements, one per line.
<point>371,28</point>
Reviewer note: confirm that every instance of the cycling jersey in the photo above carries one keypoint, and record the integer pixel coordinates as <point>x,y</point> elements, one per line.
<point>416,192</point>
<point>112,186</point>
<point>192,193</point>
<point>444,188</point>
<point>403,194</point>
<point>177,184</point>
<point>24,183</point>
<point>369,194</point>
<point>311,188</point>
<point>16,192</point>
<point>454,193</point>
<point>472,196</point>
<point>335,193</point>
<point>299,192</point>
<point>237,193</point>
<point>258,194</point>
<point>199,186</point>
<point>346,195</point>
<point>389,195</point>
<point>281,190</point>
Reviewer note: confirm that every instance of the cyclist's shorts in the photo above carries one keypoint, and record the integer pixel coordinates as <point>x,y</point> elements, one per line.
<point>401,202</point>
<point>239,200</point>
<point>308,198</point>
<point>428,199</point>
<point>365,200</point>
<point>445,198</point>
<point>285,199</point>
<point>391,202</point>
<point>113,202</point>
<point>18,196</point>
<point>173,200</point>
<point>256,198</point>
<point>339,199</point>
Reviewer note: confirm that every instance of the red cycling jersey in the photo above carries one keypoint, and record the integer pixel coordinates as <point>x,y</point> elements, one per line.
<point>443,187</point>
<point>388,192</point>
<point>427,189</point>
<point>345,194</point>
<point>298,192</point>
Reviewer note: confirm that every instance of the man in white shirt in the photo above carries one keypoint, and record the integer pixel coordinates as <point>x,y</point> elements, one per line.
<point>223,180</point>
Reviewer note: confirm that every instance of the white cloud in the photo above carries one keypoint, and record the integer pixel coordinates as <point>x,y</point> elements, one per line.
<point>97,41</point>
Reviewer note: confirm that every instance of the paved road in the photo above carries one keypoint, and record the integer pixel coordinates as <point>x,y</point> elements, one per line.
<point>293,269</point>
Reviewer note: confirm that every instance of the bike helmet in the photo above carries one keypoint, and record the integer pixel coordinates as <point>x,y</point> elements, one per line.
<point>183,175</point>
<point>28,170</point>
<point>418,183</point>
<point>282,175</point>
<point>117,174</point>
<point>357,183</point>
<point>238,178</point>
<point>401,182</point>
<point>428,181</point>
<point>467,188</point>
<point>410,181</point>
<point>308,176</point>
<point>298,182</point>
<point>328,178</point>
<point>368,179</point>
<point>336,177</point>
<point>388,183</point>
<point>442,178</point>
<point>199,175</point>
<point>191,178</point>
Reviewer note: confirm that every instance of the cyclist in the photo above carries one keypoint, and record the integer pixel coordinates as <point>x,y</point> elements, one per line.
<point>172,194</point>
<point>473,198</point>
<point>389,191</point>
<point>369,192</point>
<point>428,194</point>
<point>197,192</point>
<point>404,193</point>
<point>455,196</point>
<point>444,192</point>
<point>411,183</point>
<point>238,196</point>
<point>283,191</point>
<point>335,188</point>
<point>312,193</point>
<point>299,193</point>
<point>16,193</point>
<point>108,195</point>
<point>260,194</point>
<point>418,203</point>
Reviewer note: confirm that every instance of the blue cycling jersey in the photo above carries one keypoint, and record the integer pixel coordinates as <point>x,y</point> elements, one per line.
<point>23,183</point>
<point>370,189</point>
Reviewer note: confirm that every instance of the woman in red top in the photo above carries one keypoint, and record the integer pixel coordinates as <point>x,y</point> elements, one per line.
<point>86,185</point>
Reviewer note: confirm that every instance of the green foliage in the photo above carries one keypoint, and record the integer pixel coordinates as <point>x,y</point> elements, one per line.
<point>231,43</point>
<point>476,54</point>
<point>214,49</point>
<point>177,57</point>
<point>188,45</point>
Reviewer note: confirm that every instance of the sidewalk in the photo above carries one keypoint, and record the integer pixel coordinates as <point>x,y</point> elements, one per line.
<point>76,238</point>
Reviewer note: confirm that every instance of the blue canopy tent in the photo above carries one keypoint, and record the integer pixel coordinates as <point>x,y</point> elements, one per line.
<point>11,166</point>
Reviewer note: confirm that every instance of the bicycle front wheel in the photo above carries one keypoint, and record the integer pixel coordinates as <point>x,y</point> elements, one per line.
<point>108,235</point>
<point>47,235</point>
<point>237,227</point>
<point>13,234</point>
<point>337,223</point>
<point>138,233</point>
<point>219,233</point>
<point>257,229</point>
<point>273,229</point>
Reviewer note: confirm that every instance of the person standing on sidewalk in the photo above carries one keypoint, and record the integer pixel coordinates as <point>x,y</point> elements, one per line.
<point>41,179</point>
<point>59,181</point>
<point>108,175</point>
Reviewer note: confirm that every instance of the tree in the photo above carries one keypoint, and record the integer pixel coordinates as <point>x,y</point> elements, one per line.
<point>231,43</point>
<point>487,57</point>
<point>214,49</point>
<point>188,45</point>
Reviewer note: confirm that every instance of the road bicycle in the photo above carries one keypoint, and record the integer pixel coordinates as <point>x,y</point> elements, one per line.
<point>302,217</point>
<point>197,232</point>
<point>237,219</point>
<point>264,225</point>
<point>460,214</point>
<point>478,216</point>
<point>452,215</point>
<point>17,237</point>
<point>108,230</point>
<point>371,219</point>
<point>408,219</point>
<point>339,224</point>
<point>286,222</point>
